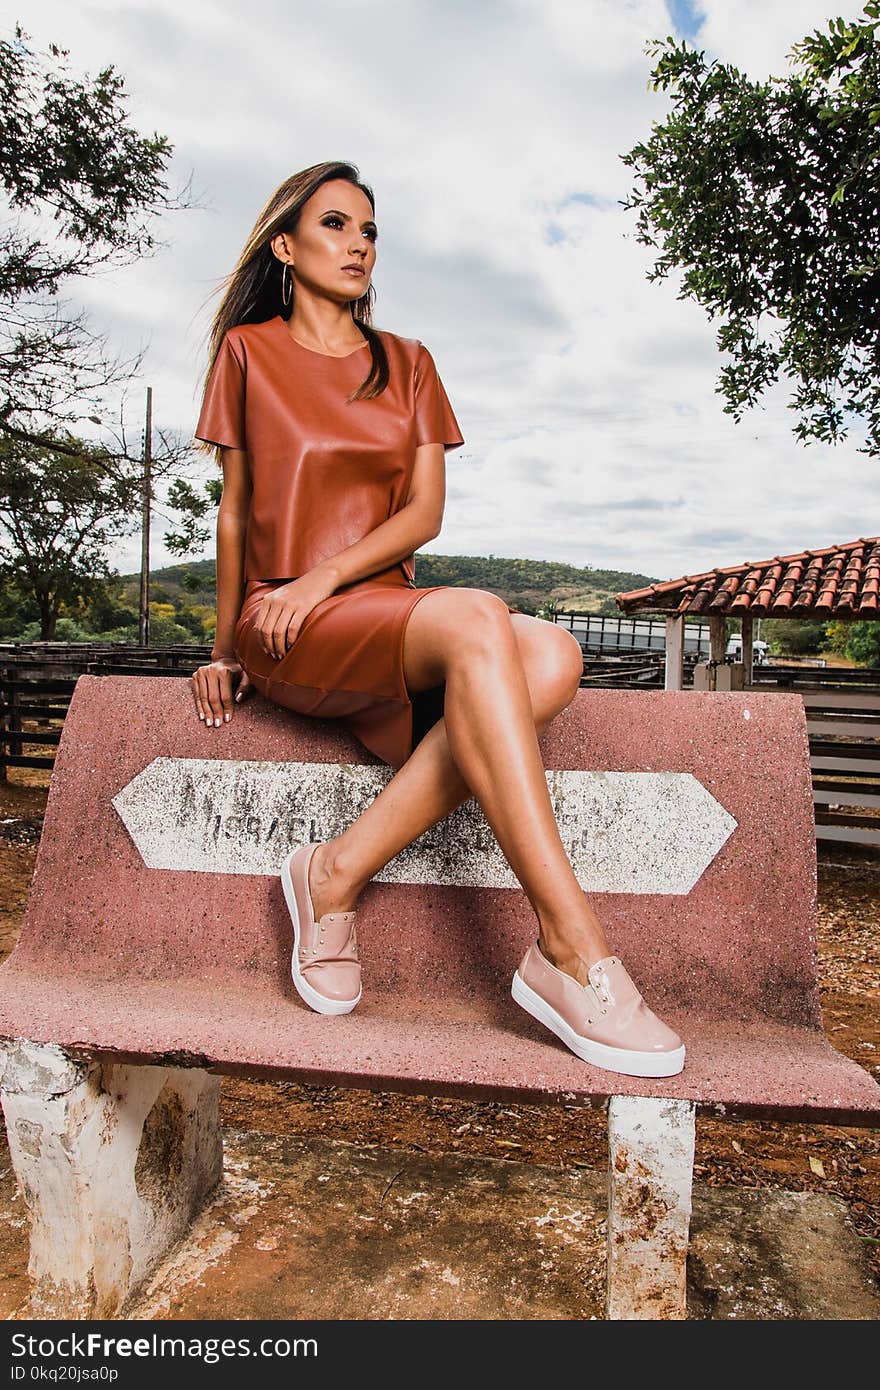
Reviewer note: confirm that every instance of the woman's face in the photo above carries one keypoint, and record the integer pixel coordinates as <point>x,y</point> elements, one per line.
<point>336,230</point>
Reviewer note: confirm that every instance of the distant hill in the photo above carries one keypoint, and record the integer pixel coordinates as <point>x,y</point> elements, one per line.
<point>524,584</point>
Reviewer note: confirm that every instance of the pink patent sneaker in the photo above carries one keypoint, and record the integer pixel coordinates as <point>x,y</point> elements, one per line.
<point>605,1022</point>
<point>325,966</point>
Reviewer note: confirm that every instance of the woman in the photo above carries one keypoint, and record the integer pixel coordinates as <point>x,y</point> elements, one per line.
<point>332,436</point>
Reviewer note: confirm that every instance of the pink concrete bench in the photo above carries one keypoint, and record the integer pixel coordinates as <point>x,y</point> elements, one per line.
<point>155,956</point>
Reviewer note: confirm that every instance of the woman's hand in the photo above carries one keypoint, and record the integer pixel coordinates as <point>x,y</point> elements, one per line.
<point>281,614</point>
<point>213,687</point>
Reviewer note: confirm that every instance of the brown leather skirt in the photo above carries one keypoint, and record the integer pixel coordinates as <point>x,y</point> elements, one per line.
<point>347,663</point>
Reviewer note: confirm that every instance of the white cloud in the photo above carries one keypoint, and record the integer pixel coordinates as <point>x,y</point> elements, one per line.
<point>757,36</point>
<point>491,133</point>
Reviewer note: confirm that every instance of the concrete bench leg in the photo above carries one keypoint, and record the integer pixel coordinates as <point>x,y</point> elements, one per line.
<point>650,1172</point>
<point>113,1162</point>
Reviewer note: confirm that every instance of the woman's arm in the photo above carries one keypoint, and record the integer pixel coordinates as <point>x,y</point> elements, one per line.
<point>232,518</point>
<point>419,520</point>
<point>212,684</point>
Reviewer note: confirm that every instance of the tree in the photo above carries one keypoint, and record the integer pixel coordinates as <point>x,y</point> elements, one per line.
<point>548,609</point>
<point>59,512</point>
<point>16,611</point>
<point>69,160</point>
<point>192,505</point>
<point>82,191</point>
<point>765,195</point>
<point>794,636</point>
<point>860,642</point>
<point>107,609</point>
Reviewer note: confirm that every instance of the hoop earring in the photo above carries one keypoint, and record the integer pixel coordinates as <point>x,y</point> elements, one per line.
<point>286,301</point>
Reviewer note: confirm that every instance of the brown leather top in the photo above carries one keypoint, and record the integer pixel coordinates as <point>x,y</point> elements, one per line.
<point>325,471</point>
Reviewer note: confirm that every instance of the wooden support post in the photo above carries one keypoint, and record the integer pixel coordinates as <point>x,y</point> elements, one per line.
<point>674,653</point>
<point>748,648</point>
<point>5,747</point>
<point>14,721</point>
<point>717,638</point>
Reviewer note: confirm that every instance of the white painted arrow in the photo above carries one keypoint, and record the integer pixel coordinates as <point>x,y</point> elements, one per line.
<point>624,832</point>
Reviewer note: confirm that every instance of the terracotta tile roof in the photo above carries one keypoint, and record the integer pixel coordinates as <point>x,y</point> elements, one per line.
<point>840,582</point>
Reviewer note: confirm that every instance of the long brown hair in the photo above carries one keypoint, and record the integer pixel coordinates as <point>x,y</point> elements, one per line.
<point>252,291</point>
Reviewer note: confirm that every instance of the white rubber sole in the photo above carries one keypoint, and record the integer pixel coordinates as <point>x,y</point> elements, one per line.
<point>598,1054</point>
<point>319,1002</point>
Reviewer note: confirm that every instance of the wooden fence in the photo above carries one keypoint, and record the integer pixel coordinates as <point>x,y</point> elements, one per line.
<point>37,681</point>
<point>844,730</point>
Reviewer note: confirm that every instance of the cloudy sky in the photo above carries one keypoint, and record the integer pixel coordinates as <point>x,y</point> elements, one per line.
<point>491,132</point>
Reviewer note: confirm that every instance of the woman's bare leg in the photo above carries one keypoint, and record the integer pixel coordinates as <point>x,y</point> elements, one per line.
<point>429,785</point>
<point>485,746</point>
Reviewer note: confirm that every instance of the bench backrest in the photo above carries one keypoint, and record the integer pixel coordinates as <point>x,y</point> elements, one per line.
<point>688,817</point>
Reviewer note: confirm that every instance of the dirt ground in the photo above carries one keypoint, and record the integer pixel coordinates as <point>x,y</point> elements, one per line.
<point>766,1154</point>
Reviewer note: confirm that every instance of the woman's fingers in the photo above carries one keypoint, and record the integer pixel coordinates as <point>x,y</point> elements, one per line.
<point>213,696</point>
<point>286,630</point>
<point>278,628</point>
<point>205,695</point>
<point>219,685</point>
<point>265,627</point>
<point>198,693</point>
<point>277,645</point>
<point>245,687</point>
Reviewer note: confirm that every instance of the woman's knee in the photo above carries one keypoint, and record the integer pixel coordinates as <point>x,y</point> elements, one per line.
<point>458,619</point>
<point>569,655</point>
<point>456,624</point>
<point>482,618</point>
<point>553,662</point>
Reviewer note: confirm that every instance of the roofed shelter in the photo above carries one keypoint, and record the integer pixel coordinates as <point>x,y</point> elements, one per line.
<point>840,583</point>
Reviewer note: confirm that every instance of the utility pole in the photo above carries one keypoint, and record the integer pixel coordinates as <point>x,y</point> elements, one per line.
<point>144,622</point>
